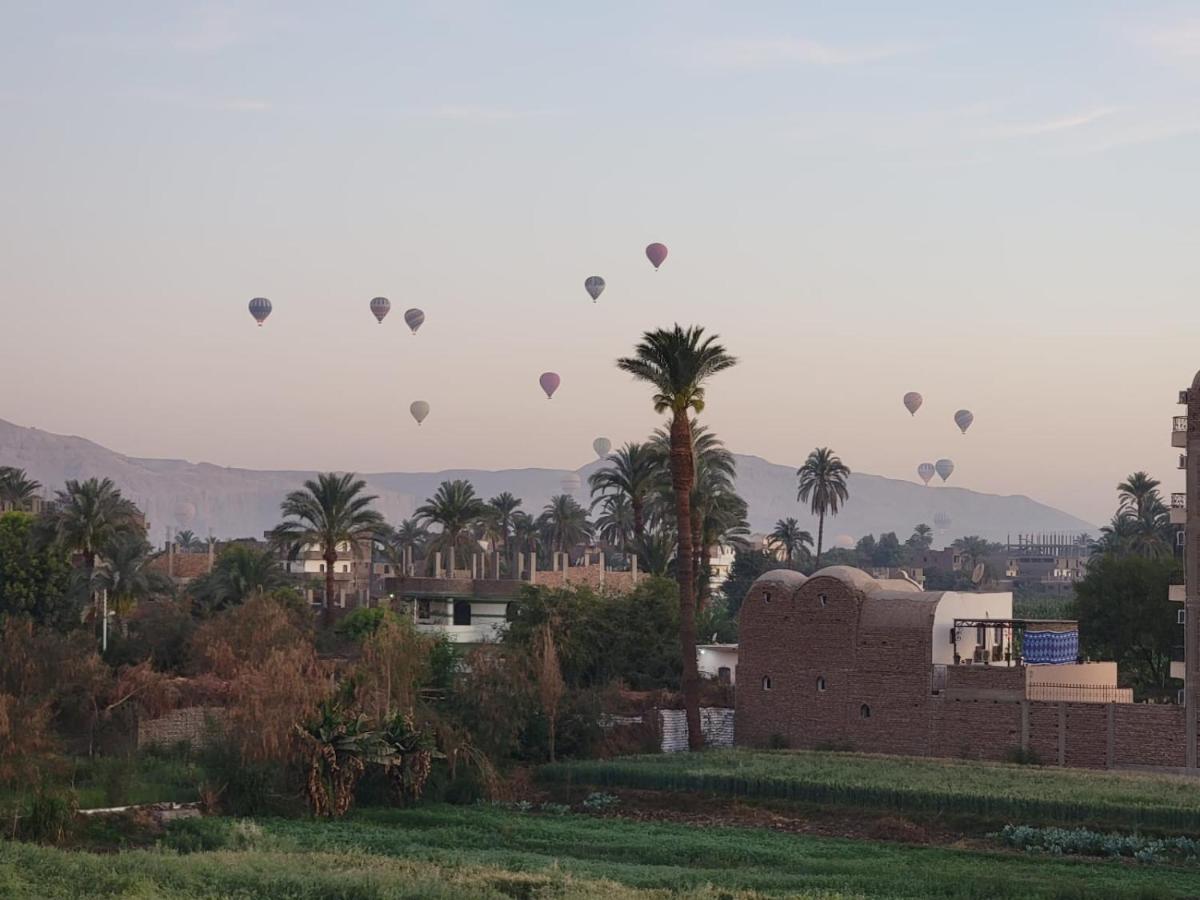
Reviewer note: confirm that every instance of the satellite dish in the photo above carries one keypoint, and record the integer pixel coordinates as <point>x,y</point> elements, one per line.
<point>977,574</point>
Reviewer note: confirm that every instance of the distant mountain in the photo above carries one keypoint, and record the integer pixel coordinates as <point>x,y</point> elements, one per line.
<point>245,502</point>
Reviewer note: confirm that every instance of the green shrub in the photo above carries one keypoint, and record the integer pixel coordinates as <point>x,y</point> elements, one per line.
<point>203,835</point>
<point>1083,842</point>
<point>49,815</point>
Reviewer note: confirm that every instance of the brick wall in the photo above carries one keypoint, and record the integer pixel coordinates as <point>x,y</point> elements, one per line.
<point>190,725</point>
<point>1149,735</point>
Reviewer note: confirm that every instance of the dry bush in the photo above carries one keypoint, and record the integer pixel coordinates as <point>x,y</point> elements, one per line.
<point>496,696</point>
<point>270,697</point>
<point>393,667</point>
<point>247,635</point>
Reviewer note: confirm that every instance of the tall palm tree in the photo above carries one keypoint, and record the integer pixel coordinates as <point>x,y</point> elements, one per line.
<point>330,510</point>
<point>677,364</point>
<point>789,537</point>
<point>973,550</point>
<point>631,471</point>
<point>238,574</point>
<point>614,525</point>
<point>16,488</point>
<point>189,542</point>
<point>503,507</point>
<point>456,509</point>
<point>564,523</point>
<point>922,535</point>
<point>823,485</point>
<point>525,533</point>
<point>125,575</point>
<point>1138,493</point>
<point>723,525</point>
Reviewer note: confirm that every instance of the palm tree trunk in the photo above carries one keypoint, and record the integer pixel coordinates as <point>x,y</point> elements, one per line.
<point>639,520</point>
<point>682,475</point>
<point>820,538</point>
<point>330,564</point>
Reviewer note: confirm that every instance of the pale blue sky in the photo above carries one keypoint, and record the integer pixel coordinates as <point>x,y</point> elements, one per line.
<point>995,207</point>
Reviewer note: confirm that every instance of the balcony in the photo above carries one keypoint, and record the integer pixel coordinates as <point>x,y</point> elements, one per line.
<point>1177,593</point>
<point>1179,429</point>
<point>1184,397</point>
<point>1178,509</point>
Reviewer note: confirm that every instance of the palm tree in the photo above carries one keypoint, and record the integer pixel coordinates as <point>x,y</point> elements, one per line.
<point>239,573</point>
<point>1138,493</point>
<point>823,485</point>
<point>330,511</point>
<point>525,533</point>
<point>790,538</point>
<point>503,507</point>
<point>188,542</point>
<point>89,516</point>
<point>973,550</point>
<point>16,489</point>
<point>564,523</point>
<point>614,525</point>
<point>677,363</point>
<point>631,471</point>
<point>723,525</point>
<point>456,509</point>
<point>126,576</point>
<point>922,536</point>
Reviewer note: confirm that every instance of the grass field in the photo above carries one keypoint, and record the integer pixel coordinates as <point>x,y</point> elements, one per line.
<point>443,851</point>
<point>1021,794</point>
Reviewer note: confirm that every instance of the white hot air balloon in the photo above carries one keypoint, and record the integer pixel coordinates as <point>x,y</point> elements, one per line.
<point>963,419</point>
<point>602,446</point>
<point>419,410</point>
<point>571,483</point>
<point>942,521</point>
<point>925,471</point>
<point>944,468</point>
<point>913,401</point>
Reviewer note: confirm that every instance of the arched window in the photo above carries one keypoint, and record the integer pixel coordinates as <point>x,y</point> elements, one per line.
<point>766,682</point>
<point>821,683</point>
<point>766,596</point>
<point>462,612</point>
<point>822,600</point>
<point>864,712</point>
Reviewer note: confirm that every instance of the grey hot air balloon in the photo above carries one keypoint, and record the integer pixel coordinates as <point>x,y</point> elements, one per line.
<point>380,307</point>
<point>963,419</point>
<point>942,521</point>
<point>419,410</point>
<point>913,401</point>
<point>260,308</point>
<point>926,471</point>
<point>185,512</point>
<point>571,482</point>
<point>549,382</point>
<point>602,446</point>
<point>414,318</point>
<point>594,285</point>
<point>944,468</point>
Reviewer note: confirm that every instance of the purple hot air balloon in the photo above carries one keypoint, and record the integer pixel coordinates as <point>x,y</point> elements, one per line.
<point>925,471</point>
<point>549,382</point>
<point>260,308</point>
<point>913,401</point>
<point>380,307</point>
<point>656,253</point>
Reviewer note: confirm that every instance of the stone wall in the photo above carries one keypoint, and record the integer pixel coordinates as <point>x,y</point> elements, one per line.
<point>189,725</point>
<point>716,723</point>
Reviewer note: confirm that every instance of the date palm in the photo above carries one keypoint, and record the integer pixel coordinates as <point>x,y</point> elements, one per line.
<point>125,575</point>
<point>455,508</point>
<point>331,510</point>
<point>631,471</point>
<point>16,488</point>
<point>614,525</point>
<point>564,523</point>
<point>188,542</point>
<point>678,363</point>
<point>823,486</point>
<point>789,537</point>
<point>1138,494</point>
<point>238,574</point>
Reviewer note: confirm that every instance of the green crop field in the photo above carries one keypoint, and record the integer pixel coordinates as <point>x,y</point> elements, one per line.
<point>442,851</point>
<point>1022,794</point>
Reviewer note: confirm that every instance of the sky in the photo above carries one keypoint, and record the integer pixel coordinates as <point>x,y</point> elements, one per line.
<point>992,204</point>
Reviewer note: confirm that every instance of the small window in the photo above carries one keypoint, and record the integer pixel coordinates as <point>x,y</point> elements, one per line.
<point>424,612</point>
<point>345,567</point>
<point>822,600</point>
<point>821,683</point>
<point>981,635</point>
<point>766,682</point>
<point>322,567</point>
<point>766,596</point>
<point>724,676</point>
<point>864,712</point>
<point>462,612</point>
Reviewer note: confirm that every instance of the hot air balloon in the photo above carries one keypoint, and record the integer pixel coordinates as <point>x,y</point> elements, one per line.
<point>925,472</point>
<point>963,419</point>
<point>414,318</point>
<point>844,541</point>
<point>656,253</point>
<point>260,308</point>
<point>185,512</point>
<point>571,483</point>
<point>549,382</point>
<point>913,401</point>
<point>944,468</point>
<point>594,285</point>
<point>942,521</point>
<point>602,446</point>
<point>381,306</point>
<point>419,410</point>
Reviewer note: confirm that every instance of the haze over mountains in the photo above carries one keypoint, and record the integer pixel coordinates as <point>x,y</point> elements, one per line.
<point>234,502</point>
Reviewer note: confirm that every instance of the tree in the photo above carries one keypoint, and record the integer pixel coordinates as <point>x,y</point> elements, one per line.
<point>973,549</point>
<point>330,511</point>
<point>502,508</point>
<point>17,490</point>
<point>549,678</point>
<point>1125,615</point>
<point>790,538</point>
<point>887,550</point>
<point>456,509</point>
<point>125,576</point>
<point>919,541</point>
<point>823,485</point>
<point>239,573</point>
<point>1138,493</point>
<point>35,576</point>
<point>564,523</point>
<point>614,525</point>
<point>632,472</point>
<point>677,364</point>
<point>189,542</point>
<point>749,564</point>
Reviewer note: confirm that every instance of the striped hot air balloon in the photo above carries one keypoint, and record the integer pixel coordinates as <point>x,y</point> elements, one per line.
<point>414,318</point>
<point>380,307</point>
<point>260,308</point>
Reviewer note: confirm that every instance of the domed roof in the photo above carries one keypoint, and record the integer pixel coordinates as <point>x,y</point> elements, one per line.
<point>855,578</point>
<point>782,577</point>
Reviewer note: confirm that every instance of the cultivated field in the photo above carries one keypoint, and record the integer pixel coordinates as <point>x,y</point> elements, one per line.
<point>481,851</point>
<point>1021,794</point>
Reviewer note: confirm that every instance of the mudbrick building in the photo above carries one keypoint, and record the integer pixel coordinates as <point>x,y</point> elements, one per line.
<point>842,659</point>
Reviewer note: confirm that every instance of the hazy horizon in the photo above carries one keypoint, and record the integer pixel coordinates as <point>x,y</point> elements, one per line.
<point>990,207</point>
